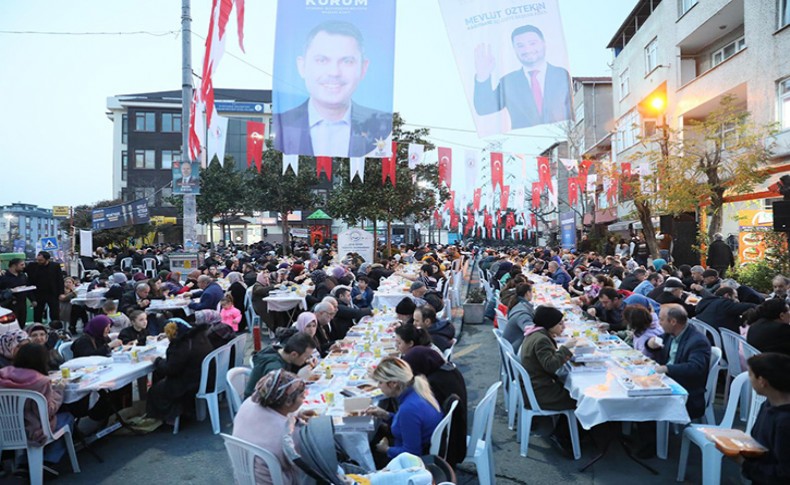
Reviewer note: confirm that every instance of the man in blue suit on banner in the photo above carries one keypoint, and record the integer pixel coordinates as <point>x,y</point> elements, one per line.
<point>329,123</point>
<point>536,94</point>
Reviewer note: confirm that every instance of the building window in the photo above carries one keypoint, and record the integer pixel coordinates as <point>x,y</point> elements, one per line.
<point>684,6</point>
<point>171,123</point>
<point>124,164</point>
<point>144,193</point>
<point>628,129</point>
<point>580,113</point>
<point>784,103</point>
<point>166,193</point>
<point>729,135</point>
<point>145,159</point>
<point>784,13</point>
<point>170,156</point>
<point>625,84</point>
<point>124,128</point>
<point>145,121</point>
<point>727,51</point>
<point>651,56</point>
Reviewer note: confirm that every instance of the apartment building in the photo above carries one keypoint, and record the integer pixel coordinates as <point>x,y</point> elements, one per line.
<point>693,53</point>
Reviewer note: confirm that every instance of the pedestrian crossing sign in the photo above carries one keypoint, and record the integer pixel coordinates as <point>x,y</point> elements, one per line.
<point>49,243</point>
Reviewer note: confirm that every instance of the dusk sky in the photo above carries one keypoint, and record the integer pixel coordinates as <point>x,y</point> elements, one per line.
<point>56,141</point>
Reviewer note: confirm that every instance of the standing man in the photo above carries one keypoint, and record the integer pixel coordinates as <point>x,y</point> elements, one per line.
<point>720,255</point>
<point>537,93</point>
<point>329,123</point>
<point>15,277</point>
<point>47,277</point>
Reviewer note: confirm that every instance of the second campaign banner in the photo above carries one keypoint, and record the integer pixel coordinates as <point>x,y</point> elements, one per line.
<point>513,62</point>
<point>333,78</point>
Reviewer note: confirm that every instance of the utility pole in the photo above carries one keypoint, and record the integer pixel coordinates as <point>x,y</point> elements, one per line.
<point>190,205</point>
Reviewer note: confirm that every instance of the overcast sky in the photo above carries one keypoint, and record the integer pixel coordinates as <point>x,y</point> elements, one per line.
<point>56,141</point>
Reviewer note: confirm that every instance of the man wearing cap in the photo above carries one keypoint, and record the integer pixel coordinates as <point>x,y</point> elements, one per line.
<point>673,293</point>
<point>720,255</point>
<point>710,282</point>
<point>405,310</point>
<point>39,334</point>
<point>418,290</point>
<point>684,355</point>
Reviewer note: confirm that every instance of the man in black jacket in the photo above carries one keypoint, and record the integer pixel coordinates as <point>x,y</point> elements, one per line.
<point>722,309</point>
<point>47,277</point>
<point>15,277</point>
<point>347,313</point>
<point>720,255</point>
<point>442,332</point>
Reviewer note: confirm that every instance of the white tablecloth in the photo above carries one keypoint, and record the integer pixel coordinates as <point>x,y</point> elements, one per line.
<point>285,302</point>
<point>600,399</point>
<point>174,304</point>
<point>387,300</point>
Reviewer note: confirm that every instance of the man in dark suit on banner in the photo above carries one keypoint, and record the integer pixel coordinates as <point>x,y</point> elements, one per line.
<point>329,123</point>
<point>536,94</point>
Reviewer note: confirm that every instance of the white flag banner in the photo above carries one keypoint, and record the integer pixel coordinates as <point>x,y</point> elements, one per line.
<point>217,134</point>
<point>570,164</point>
<point>553,200</point>
<point>523,162</point>
<point>86,243</point>
<point>357,165</point>
<point>521,193</point>
<point>592,182</point>
<point>291,161</point>
<point>471,158</point>
<point>416,152</point>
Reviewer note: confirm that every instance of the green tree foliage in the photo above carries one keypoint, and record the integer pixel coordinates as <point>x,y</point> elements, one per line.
<point>271,190</point>
<point>222,190</point>
<point>415,196</point>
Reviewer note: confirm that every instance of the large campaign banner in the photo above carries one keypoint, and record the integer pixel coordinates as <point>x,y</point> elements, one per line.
<point>513,62</point>
<point>568,230</point>
<point>122,215</point>
<point>333,78</point>
<point>186,177</point>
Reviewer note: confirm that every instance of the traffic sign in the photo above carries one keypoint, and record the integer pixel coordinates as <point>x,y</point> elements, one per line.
<point>49,243</point>
<point>61,211</point>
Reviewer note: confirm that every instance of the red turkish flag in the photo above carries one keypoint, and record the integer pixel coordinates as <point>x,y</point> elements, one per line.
<point>445,166</point>
<point>388,165</point>
<point>470,221</point>
<point>544,173</point>
<point>437,218</point>
<point>323,164</point>
<point>453,220</point>
<point>476,200</point>
<point>504,197</point>
<point>533,220</point>
<point>497,170</point>
<point>584,170</point>
<point>449,204</point>
<point>256,135</point>
<point>611,194</point>
<point>510,221</point>
<point>488,220</point>
<point>625,169</point>
<point>498,217</point>
<point>537,189</point>
<point>573,190</point>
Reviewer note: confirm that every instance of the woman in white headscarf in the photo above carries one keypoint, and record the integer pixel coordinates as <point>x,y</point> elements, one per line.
<point>238,290</point>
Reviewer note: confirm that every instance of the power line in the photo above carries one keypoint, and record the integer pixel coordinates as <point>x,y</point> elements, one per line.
<point>41,32</point>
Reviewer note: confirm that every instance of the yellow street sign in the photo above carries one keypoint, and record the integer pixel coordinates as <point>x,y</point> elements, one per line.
<point>61,211</point>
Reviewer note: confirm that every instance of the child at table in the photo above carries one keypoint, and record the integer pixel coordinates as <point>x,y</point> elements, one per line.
<point>137,333</point>
<point>231,315</point>
<point>119,320</point>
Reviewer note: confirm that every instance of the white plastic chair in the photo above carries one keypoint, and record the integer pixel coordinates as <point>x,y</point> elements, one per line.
<point>14,437</point>
<point>253,320</point>
<point>711,457</point>
<point>509,382</point>
<point>242,459</point>
<point>149,267</point>
<point>710,386</point>
<point>448,354</point>
<point>205,399</point>
<point>237,381</point>
<point>239,343</point>
<point>442,429</point>
<point>531,409</point>
<point>126,265</point>
<point>501,319</point>
<point>709,331</point>
<point>65,350</point>
<point>732,343</point>
<point>479,448</point>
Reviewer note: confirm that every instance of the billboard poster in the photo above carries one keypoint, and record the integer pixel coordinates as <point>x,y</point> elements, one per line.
<point>356,241</point>
<point>186,178</point>
<point>513,62</point>
<point>752,224</point>
<point>122,215</point>
<point>333,78</point>
<point>568,230</point>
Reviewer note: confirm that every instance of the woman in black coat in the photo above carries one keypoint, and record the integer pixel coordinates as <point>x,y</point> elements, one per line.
<point>178,374</point>
<point>445,380</point>
<point>238,291</point>
<point>94,339</point>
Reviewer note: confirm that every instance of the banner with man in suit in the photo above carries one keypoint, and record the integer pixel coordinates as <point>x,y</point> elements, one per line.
<point>186,178</point>
<point>513,62</point>
<point>333,78</point>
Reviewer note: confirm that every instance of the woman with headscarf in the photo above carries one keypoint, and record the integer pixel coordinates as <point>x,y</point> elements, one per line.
<point>191,282</point>
<point>95,338</point>
<point>445,380</point>
<point>177,377</point>
<point>238,290</point>
<point>261,290</point>
<point>307,323</point>
<point>10,343</point>
<point>173,283</point>
<point>269,414</point>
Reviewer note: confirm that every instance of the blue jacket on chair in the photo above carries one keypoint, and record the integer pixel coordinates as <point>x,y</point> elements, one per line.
<point>690,369</point>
